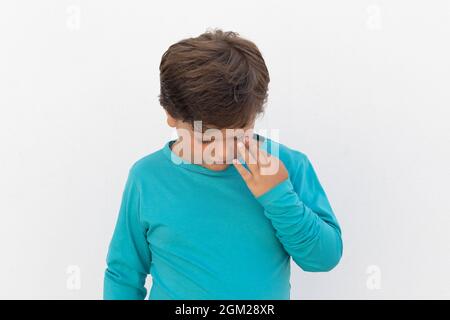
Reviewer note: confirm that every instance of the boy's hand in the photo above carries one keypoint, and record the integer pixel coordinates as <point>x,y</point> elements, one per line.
<point>266,171</point>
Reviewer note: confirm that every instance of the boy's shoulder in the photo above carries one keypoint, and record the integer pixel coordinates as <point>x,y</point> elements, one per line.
<point>296,162</point>
<point>150,163</point>
<point>293,159</point>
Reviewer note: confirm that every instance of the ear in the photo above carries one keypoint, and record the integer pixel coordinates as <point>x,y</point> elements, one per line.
<point>171,121</point>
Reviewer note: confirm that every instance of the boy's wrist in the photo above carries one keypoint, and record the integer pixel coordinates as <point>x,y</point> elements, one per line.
<point>275,193</point>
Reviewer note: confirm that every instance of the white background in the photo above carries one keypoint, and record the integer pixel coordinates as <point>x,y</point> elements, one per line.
<point>361,87</point>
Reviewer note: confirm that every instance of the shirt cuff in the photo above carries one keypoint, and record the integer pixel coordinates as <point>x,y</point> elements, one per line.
<point>276,192</point>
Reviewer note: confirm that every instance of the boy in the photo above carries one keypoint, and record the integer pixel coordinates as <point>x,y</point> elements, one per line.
<point>203,224</point>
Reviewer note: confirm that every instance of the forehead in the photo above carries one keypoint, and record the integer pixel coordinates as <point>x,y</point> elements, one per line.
<point>225,133</point>
<point>204,129</point>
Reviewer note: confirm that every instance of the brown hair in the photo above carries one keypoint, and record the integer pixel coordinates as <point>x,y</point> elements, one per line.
<point>218,77</point>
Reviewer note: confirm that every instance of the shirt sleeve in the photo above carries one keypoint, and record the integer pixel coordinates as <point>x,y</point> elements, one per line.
<point>128,260</point>
<point>304,220</point>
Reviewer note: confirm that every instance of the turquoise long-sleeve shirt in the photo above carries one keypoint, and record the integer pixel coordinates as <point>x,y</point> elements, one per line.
<point>201,234</point>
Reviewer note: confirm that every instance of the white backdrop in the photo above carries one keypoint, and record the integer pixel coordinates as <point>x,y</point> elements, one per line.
<point>361,87</point>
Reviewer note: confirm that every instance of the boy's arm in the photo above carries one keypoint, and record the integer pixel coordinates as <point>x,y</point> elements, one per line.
<point>129,257</point>
<point>301,215</point>
<point>304,221</point>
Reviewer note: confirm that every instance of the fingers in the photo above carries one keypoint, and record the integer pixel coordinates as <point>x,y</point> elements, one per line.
<point>242,171</point>
<point>253,147</point>
<point>249,159</point>
<point>269,163</point>
<point>261,156</point>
